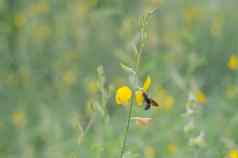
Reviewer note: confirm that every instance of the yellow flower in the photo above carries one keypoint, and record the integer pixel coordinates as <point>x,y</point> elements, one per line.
<point>1,124</point>
<point>69,78</point>
<point>191,15</point>
<point>172,148</point>
<point>139,97</point>
<point>147,83</point>
<point>233,62</point>
<point>139,93</point>
<point>233,153</point>
<point>200,97</point>
<point>150,152</point>
<point>123,95</point>
<point>216,26</point>
<point>18,119</point>
<point>168,102</point>
<point>39,8</point>
<point>192,12</point>
<point>20,20</point>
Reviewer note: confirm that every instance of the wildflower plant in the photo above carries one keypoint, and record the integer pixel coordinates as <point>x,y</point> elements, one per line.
<point>196,136</point>
<point>125,95</point>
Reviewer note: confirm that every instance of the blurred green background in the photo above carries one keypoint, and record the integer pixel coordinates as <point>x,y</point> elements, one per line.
<point>60,66</point>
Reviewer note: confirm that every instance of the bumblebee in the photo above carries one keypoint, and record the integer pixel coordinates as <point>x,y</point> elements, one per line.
<point>149,101</point>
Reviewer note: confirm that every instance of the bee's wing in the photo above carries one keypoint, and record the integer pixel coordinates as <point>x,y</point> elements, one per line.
<point>147,106</point>
<point>154,103</point>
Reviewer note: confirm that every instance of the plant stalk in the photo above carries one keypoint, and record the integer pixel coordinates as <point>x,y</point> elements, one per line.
<point>126,130</point>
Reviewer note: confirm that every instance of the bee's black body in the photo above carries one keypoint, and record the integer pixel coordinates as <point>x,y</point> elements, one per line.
<point>149,101</point>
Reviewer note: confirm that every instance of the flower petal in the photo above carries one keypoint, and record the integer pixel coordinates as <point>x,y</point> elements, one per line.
<point>233,153</point>
<point>142,121</point>
<point>147,83</point>
<point>201,97</point>
<point>139,97</point>
<point>123,95</point>
<point>233,62</point>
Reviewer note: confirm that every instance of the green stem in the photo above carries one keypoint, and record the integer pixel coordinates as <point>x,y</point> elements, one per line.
<point>127,130</point>
<point>131,106</point>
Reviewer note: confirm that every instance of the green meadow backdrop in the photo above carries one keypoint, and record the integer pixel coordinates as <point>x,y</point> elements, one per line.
<point>60,66</point>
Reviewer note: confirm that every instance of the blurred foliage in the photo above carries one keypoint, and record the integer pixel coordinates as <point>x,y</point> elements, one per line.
<point>60,61</point>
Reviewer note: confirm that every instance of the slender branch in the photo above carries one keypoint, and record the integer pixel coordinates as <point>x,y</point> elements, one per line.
<point>127,130</point>
<point>138,61</point>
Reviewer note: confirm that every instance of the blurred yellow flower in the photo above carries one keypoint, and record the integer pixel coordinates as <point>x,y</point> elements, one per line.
<point>123,95</point>
<point>168,102</point>
<point>139,97</point>
<point>233,153</point>
<point>231,90</point>
<point>40,32</point>
<point>216,26</point>
<point>233,62</point>
<point>172,148</point>
<point>71,56</point>
<point>150,152</point>
<point>18,119</point>
<point>139,93</point>
<point>200,97</point>
<point>1,124</point>
<point>39,8</point>
<point>142,121</point>
<point>69,78</point>
<point>191,14</point>
<point>92,87</point>
<point>20,20</point>
<point>83,7</point>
